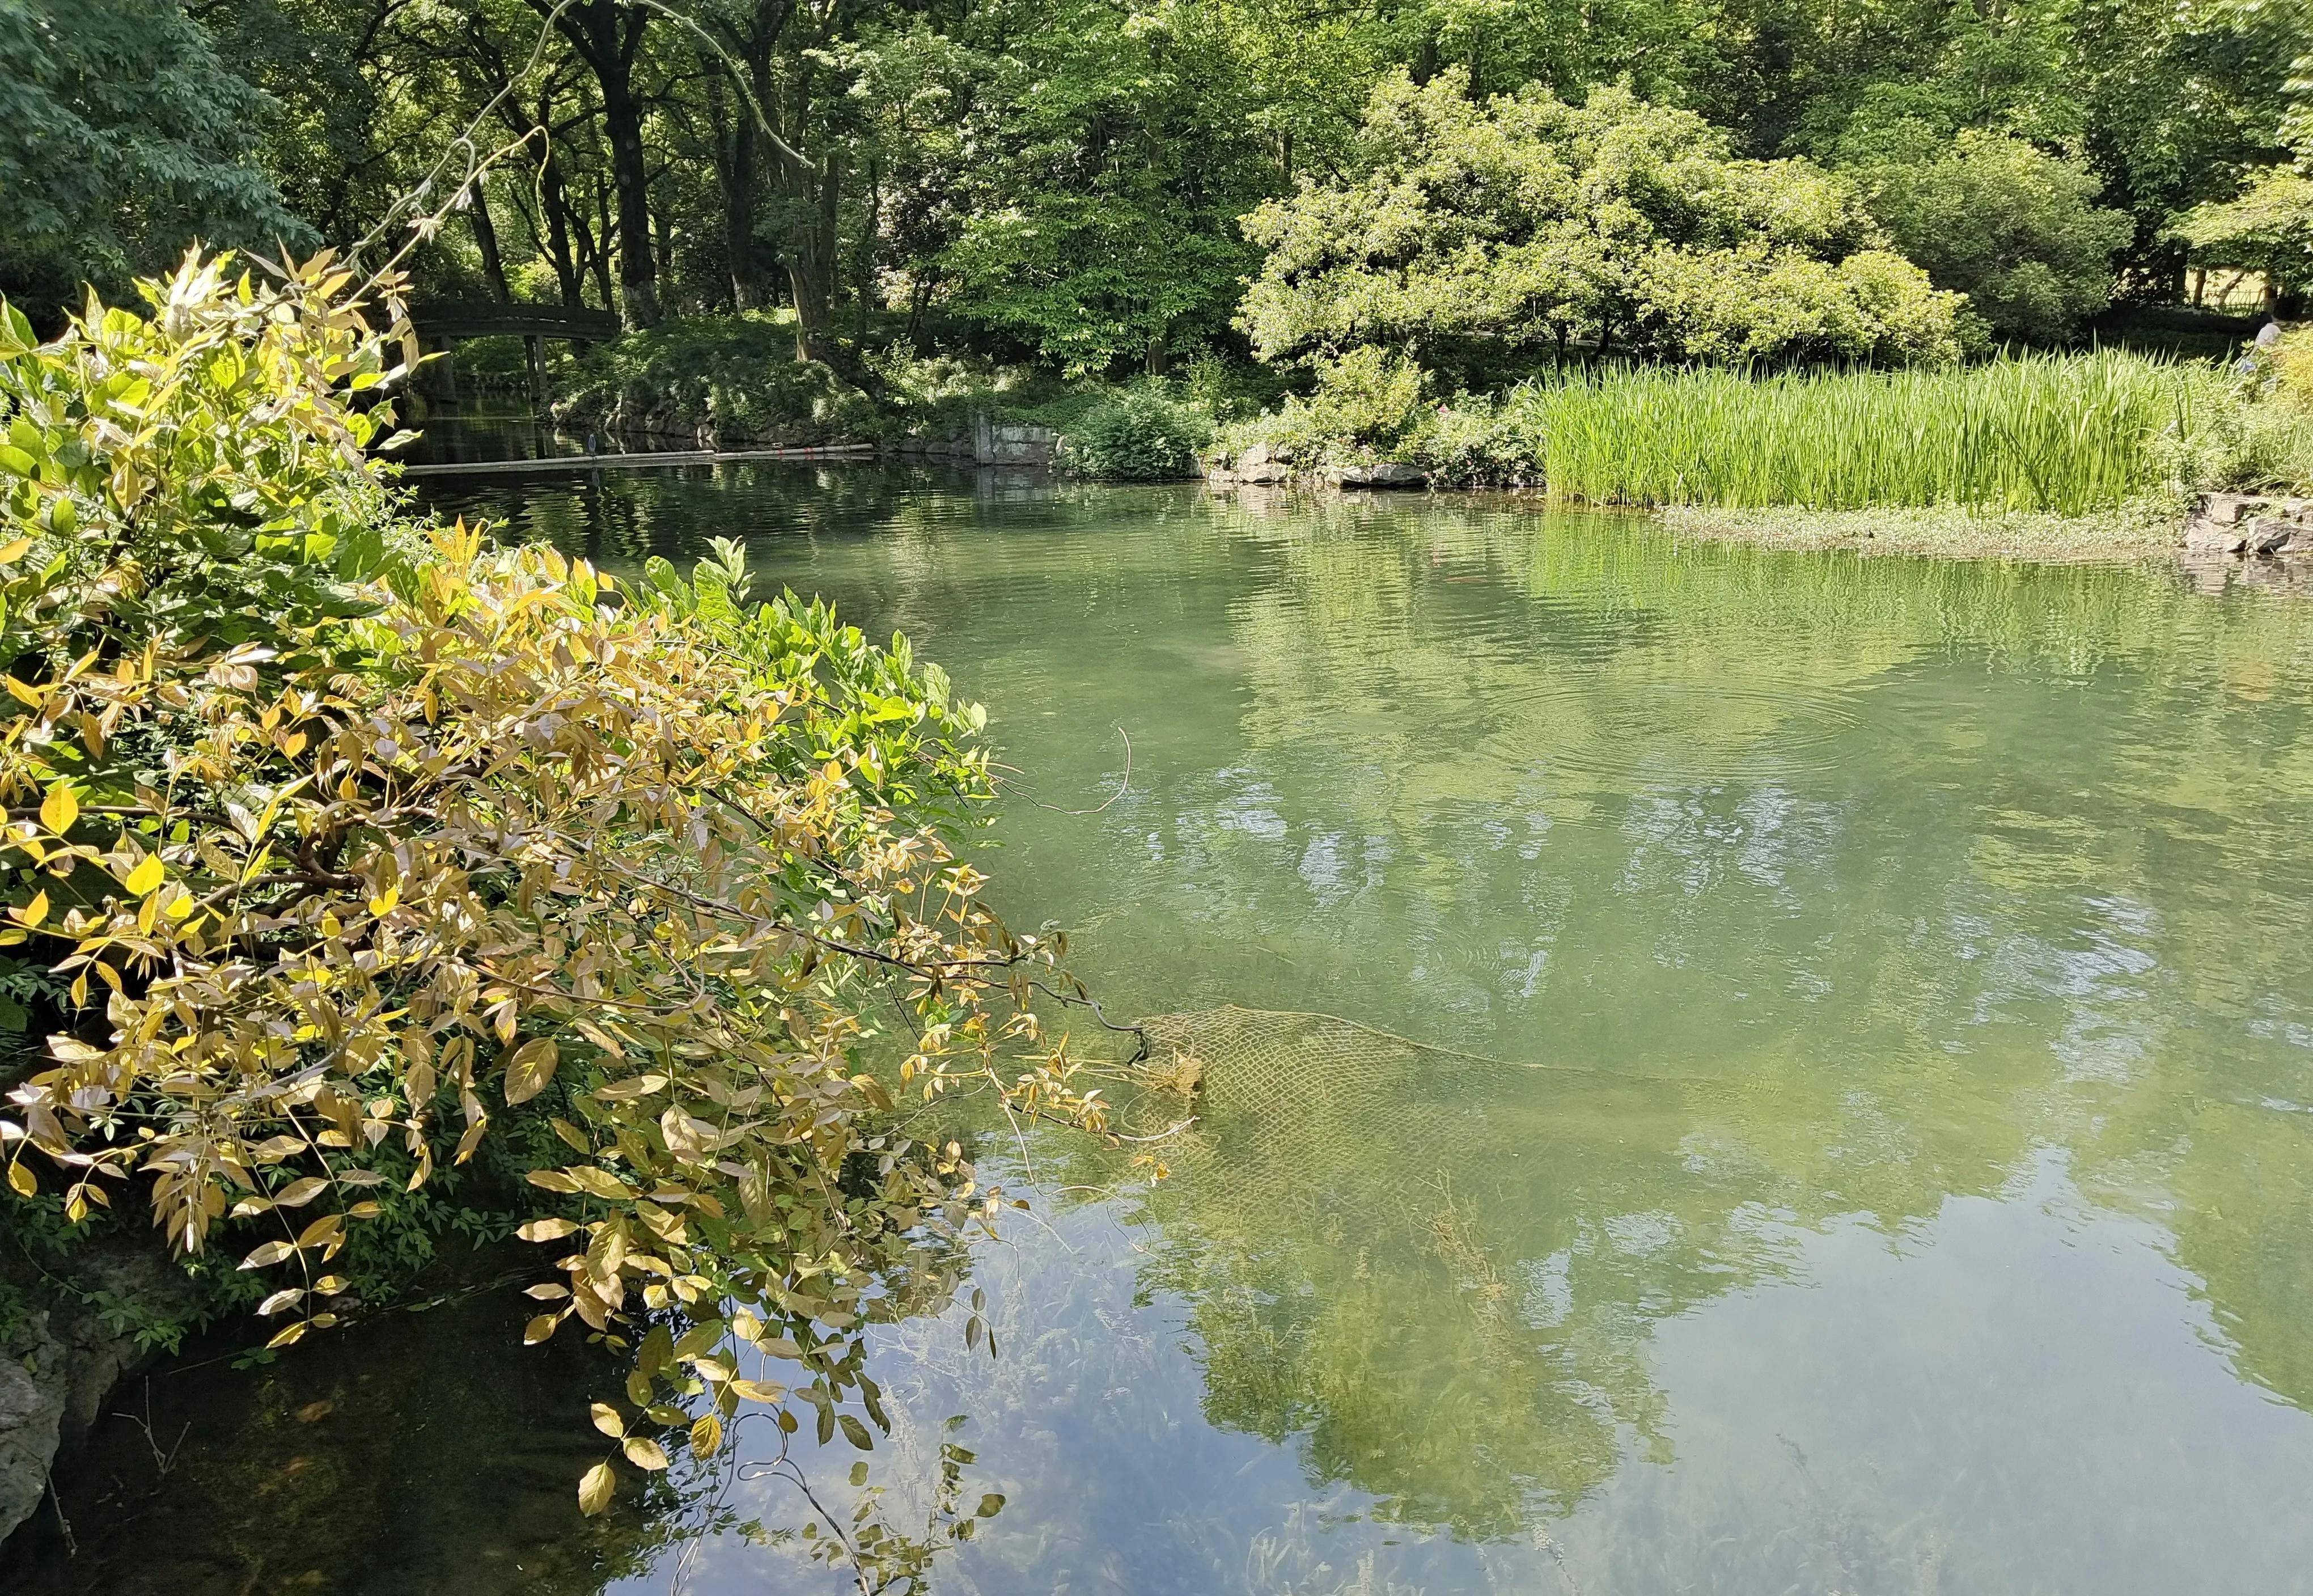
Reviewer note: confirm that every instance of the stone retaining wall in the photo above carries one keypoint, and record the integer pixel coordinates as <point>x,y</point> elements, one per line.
<point>2250,525</point>
<point>987,442</point>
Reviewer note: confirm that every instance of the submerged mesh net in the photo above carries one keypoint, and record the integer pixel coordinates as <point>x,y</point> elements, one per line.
<point>1252,1059</point>
<point>1376,1243</point>
<point>1442,1270</point>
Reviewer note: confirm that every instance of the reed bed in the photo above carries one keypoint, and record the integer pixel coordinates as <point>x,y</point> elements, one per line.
<point>2063,434</point>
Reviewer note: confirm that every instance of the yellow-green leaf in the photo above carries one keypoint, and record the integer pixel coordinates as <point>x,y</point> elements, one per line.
<point>601,1183</point>
<point>270,1254</point>
<point>529,1069</point>
<point>645,1453</point>
<point>594,1489</point>
<point>146,876</point>
<point>607,1420</point>
<point>59,809</point>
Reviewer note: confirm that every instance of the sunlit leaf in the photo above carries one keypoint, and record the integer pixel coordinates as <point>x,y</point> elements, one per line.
<point>530,1070</point>
<point>59,809</point>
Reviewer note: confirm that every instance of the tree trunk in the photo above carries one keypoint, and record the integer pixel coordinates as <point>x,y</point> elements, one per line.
<point>738,168</point>
<point>607,36</point>
<point>663,234</point>
<point>864,265</point>
<point>485,239</point>
<point>554,199</point>
<point>638,271</point>
<point>810,264</point>
<point>604,234</point>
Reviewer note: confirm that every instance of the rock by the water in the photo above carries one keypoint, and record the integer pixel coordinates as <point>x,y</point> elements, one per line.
<point>1382,473</point>
<point>34,1396</point>
<point>2249,524</point>
<point>2268,534</point>
<point>61,1360</point>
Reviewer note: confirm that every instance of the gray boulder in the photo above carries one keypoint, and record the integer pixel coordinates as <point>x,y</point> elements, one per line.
<point>1382,473</point>
<point>60,1360</point>
<point>2268,534</point>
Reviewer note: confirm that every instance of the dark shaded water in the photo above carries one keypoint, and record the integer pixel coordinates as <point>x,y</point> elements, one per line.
<point>1900,1178</point>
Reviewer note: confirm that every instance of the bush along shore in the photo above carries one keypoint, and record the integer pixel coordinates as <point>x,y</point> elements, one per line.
<point>2066,456</point>
<point>369,890</point>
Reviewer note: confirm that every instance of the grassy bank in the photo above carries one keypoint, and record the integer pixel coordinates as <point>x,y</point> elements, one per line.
<point>2080,456</point>
<point>2042,433</point>
<point>2134,532</point>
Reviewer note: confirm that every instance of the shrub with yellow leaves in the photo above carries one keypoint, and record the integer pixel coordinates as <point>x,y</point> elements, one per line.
<point>351,847</point>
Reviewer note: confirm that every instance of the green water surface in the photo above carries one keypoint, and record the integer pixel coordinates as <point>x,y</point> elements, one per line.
<point>1876,1153</point>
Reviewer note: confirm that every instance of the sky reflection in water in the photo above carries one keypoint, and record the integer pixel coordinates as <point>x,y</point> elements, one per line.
<point>1875,1156</point>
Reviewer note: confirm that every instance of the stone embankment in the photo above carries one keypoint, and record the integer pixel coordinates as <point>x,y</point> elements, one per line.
<point>986,442</point>
<point>2250,525</point>
<point>1257,466</point>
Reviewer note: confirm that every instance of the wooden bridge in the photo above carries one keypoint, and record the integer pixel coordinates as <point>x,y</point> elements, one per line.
<point>446,320</point>
<point>443,322</point>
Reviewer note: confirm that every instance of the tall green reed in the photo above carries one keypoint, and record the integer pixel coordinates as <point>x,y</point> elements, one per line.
<point>2064,433</point>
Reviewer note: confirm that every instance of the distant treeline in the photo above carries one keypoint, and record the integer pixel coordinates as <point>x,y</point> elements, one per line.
<point>1091,185</point>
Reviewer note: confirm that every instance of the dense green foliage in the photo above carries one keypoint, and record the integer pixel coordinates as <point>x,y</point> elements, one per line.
<point>1999,219</point>
<point>1140,434</point>
<point>1527,223</point>
<point>123,136</point>
<point>2268,228</point>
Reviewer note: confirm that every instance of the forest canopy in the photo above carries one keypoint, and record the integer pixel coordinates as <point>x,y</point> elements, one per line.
<point>1067,183</point>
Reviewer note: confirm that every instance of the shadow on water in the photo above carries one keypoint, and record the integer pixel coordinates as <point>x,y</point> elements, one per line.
<point>1868,1144</point>
<point>427,1452</point>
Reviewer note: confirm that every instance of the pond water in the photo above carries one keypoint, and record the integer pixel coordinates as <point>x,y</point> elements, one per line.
<point>1868,1146</point>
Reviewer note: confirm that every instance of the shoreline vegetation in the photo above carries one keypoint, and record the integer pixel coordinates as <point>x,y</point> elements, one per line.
<point>2095,455</point>
<point>391,890</point>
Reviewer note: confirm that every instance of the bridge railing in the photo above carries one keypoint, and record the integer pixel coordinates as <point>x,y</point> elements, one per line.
<point>447,321</point>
